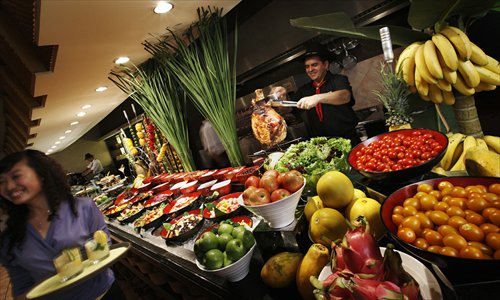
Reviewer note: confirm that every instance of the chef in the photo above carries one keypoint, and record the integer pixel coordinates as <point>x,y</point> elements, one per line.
<point>327,98</point>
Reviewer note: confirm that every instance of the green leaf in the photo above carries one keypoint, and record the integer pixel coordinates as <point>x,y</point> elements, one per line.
<point>425,13</point>
<point>340,24</point>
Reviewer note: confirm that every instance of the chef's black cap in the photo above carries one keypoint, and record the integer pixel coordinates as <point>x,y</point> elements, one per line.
<point>317,49</point>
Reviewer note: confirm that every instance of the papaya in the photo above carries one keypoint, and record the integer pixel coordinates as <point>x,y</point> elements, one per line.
<point>279,270</point>
<point>327,225</point>
<point>314,261</point>
<point>482,162</point>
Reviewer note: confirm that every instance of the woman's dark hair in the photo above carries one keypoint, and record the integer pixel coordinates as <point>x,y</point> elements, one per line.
<point>54,186</point>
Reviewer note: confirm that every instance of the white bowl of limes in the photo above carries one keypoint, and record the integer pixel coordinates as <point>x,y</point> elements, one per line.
<point>225,250</point>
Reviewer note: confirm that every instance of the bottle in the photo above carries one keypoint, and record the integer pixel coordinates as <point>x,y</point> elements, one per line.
<point>385,38</point>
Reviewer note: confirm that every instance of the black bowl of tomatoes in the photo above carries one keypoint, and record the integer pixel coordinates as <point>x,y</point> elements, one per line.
<point>399,155</point>
<point>452,222</point>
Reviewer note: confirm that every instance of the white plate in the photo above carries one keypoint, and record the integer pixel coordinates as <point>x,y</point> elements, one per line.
<point>429,286</point>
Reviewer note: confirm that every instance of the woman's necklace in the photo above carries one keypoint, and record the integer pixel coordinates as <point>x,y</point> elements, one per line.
<point>41,223</point>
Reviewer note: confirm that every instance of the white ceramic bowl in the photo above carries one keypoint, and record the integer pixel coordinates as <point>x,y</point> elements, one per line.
<point>277,214</point>
<point>235,271</point>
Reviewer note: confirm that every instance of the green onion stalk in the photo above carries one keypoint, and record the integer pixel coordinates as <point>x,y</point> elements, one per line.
<point>155,90</point>
<point>200,62</point>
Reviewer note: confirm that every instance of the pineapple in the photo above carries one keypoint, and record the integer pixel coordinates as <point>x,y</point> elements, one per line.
<point>394,96</point>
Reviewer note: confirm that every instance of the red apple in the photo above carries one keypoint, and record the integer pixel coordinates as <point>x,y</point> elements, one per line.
<point>293,181</point>
<point>273,173</point>
<point>252,181</point>
<point>259,196</point>
<point>279,194</point>
<point>270,183</point>
<point>247,193</point>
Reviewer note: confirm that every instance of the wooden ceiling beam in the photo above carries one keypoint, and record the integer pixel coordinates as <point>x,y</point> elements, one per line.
<point>14,125</point>
<point>16,143</point>
<point>22,115</point>
<point>17,92</point>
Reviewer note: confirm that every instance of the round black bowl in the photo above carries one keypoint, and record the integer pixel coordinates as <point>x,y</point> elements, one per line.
<point>404,174</point>
<point>472,270</point>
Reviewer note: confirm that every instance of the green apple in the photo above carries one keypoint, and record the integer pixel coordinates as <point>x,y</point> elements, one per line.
<point>246,238</point>
<point>213,259</point>
<point>207,242</point>
<point>237,230</point>
<point>235,249</point>
<point>223,239</point>
<point>225,228</point>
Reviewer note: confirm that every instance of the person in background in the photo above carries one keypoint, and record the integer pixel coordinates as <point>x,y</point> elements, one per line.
<point>212,144</point>
<point>44,218</point>
<point>327,98</point>
<point>94,166</point>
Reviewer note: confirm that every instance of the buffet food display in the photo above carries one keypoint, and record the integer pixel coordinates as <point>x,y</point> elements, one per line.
<point>446,222</point>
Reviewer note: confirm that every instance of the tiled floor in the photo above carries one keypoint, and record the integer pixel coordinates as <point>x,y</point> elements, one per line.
<point>5,287</point>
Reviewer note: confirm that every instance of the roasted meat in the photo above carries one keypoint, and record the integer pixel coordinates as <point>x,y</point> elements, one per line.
<point>268,127</point>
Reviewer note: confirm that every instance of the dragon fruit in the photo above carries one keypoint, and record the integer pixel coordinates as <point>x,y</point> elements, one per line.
<point>369,289</point>
<point>394,272</point>
<point>360,252</point>
<point>336,258</point>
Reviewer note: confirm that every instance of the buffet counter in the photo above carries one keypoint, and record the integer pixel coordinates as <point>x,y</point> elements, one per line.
<point>175,264</point>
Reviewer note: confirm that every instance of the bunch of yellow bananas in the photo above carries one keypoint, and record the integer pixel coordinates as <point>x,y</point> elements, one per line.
<point>447,62</point>
<point>477,156</point>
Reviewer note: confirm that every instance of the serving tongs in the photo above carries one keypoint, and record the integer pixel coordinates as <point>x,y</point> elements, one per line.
<point>274,101</point>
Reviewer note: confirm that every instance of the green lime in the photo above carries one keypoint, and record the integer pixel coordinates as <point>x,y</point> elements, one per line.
<point>223,239</point>
<point>225,228</point>
<point>237,230</point>
<point>235,249</point>
<point>207,242</point>
<point>213,259</point>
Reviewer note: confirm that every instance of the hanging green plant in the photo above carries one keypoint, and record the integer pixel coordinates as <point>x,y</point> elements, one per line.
<point>152,87</point>
<point>199,60</point>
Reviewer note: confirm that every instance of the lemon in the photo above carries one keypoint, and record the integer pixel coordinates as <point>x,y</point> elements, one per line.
<point>327,225</point>
<point>370,208</point>
<point>140,134</point>
<point>138,126</point>
<point>101,237</point>
<point>312,205</point>
<point>335,189</point>
<point>134,151</point>
<point>358,194</point>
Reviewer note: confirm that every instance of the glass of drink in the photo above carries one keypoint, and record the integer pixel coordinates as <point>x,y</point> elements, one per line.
<point>96,251</point>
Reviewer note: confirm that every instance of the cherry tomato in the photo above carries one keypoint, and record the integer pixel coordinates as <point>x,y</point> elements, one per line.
<point>471,232</point>
<point>449,251</point>
<point>456,221</point>
<point>494,188</point>
<point>433,237</point>
<point>421,243</point>
<point>442,206</point>
<point>484,248</point>
<point>425,222</point>
<point>446,229</point>
<point>455,241</point>
<point>434,248</point>
<point>473,217</point>
<point>471,252</point>
<point>455,211</point>
<point>444,184</point>
<point>460,202</point>
<point>412,202</point>
<point>412,222</point>
<point>397,219</point>
<point>490,197</point>
<point>436,194</point>
<point>439,217</point>
<point>459,192</point>
<point>409,211</point>
<point>398,209</point>
<point>427,202</point>
<point>424,187</point>
<point>406,234</point>
<point>477,204</point>
<point>493,240</point>
<point>488,228</point>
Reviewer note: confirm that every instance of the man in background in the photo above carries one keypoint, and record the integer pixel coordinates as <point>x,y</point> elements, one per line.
<point>94,167</point>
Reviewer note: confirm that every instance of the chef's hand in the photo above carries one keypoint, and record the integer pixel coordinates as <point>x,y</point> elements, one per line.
<point>279,92</point>
<point>308,102</point>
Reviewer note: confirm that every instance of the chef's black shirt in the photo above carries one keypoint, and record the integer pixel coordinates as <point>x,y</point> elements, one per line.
<point>338,120</point>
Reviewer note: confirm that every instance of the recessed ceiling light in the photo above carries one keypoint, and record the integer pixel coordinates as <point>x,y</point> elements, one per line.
<point>86,106</point>
<point>81,114</point>
<point>67,131</point>
<point>121,60</point>
<point>163,7</point>
<point>62,137</point>
<point>50,150</point>
<point>57,142</point>
<point>53,147</point>
<point>101,89</point>
<point>74,123</point>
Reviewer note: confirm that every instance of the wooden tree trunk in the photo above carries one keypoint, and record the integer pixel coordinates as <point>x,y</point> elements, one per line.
<point>466,116</point>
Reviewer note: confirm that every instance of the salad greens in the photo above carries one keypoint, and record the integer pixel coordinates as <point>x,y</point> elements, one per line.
<point>315,157</point>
